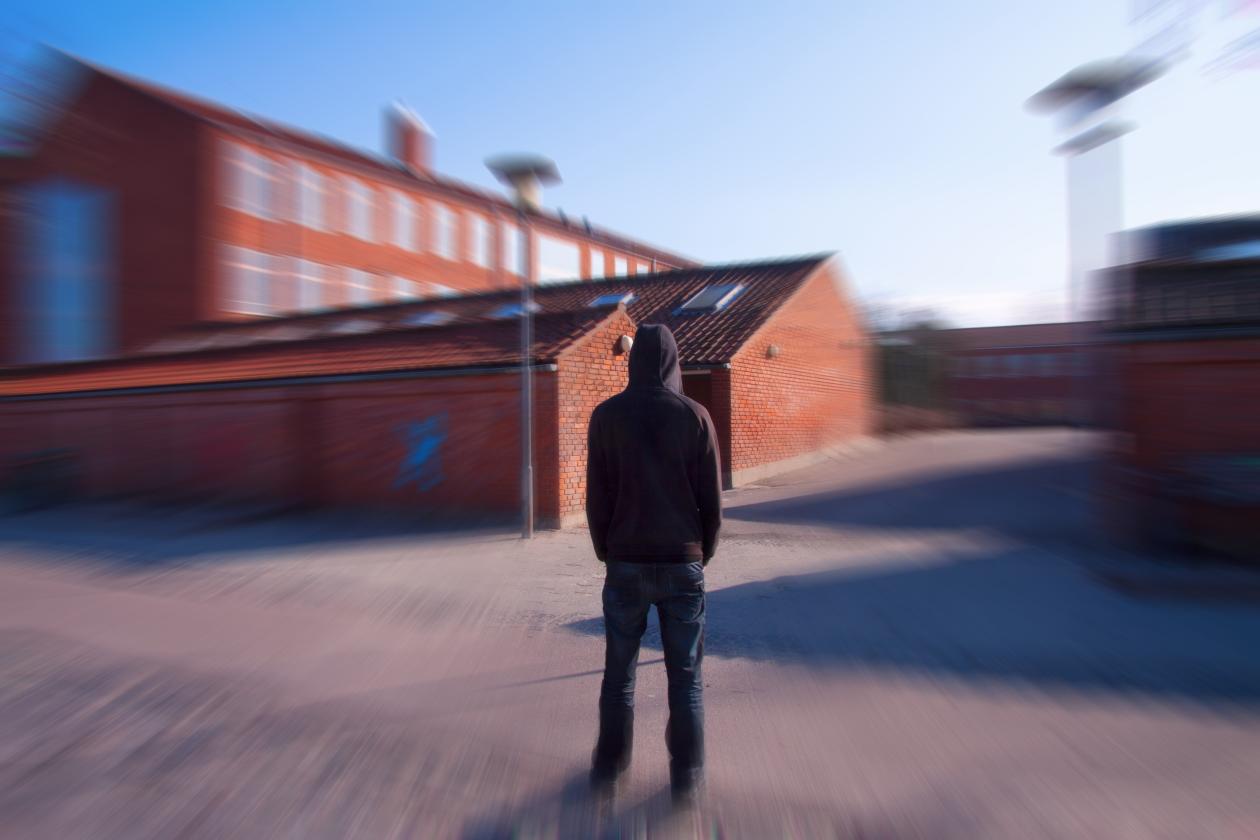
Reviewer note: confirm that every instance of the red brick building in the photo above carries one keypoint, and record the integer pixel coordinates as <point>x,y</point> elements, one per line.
<point>139,210</point>
<point>414,405</point>
<point>1027,374</point>
<point>1185,466</point>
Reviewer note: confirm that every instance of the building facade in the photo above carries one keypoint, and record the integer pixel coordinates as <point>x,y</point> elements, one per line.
<point>1028,374</point>
<point>139,210</point>
<point>414,406</point>
<point>1185,464</point>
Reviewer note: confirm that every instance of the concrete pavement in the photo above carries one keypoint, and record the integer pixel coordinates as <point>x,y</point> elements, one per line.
<point>907,643</point>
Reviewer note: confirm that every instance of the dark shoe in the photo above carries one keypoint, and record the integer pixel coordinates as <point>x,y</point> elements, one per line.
<point>608,768</point>
<point>613,749</point>
<point>686,787</point>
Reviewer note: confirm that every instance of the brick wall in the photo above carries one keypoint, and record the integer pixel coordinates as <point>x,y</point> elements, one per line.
<point>1189,398</point>
<point>815,392</point>
<point>379,256</point>
<point>144,157</point>
<point>589,372</point>
<point>164,169</point>
<point>1179,401</point>
<point>354,444</point>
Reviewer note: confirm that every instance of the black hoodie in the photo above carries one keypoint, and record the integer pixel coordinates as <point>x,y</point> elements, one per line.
<point>653,479</point>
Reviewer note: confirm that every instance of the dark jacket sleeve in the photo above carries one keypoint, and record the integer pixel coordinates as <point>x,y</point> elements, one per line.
<point>709,487</point>
<point>599,494</point>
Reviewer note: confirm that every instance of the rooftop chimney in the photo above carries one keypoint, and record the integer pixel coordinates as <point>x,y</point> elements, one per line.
<point>409,140</point>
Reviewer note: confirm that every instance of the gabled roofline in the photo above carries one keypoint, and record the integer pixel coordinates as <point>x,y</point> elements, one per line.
<point>513,293</point>
<point>278,133</point>
<point>826,259</point>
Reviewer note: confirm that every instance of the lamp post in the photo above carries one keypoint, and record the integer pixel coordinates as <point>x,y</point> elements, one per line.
<point>1086,105</point>
<point>526,174</point>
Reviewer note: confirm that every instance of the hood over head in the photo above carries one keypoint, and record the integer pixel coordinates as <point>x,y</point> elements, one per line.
<point>654,359</point>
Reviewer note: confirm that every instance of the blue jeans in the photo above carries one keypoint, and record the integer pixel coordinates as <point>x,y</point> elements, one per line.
<point>630,590</point>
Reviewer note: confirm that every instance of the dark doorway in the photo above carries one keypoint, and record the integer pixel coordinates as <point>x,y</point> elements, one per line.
<point>699,386</point>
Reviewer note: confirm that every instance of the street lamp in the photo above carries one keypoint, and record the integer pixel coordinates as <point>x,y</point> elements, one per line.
<point>1086,105</point>
<point>526,175</point>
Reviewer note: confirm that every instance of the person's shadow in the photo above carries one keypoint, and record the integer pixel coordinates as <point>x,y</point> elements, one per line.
<point>573,810</point>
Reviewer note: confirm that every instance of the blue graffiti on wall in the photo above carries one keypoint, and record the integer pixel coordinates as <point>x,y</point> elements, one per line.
<point>422,462</point>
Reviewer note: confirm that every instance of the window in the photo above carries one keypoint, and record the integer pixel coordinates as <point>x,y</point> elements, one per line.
<point>249,276</point>
<point>250,181</point>
<point>403,289</point>
<point>432,318</point>
<point>310,285</point>
<point>444,232</point>
<point>311,191</point>
<point>712,298</point>
<point>612,299</point>
<point>641,268</point>
<point>66,249</point>
<point>619,266</point>
<point>512,250</point>
<point>403,229</point>
<point>359,287</point>
<point>513,310</point>
<point>358,220</point>
<point>558,260</point>
<point>479,239</point>
<point>597,264</point>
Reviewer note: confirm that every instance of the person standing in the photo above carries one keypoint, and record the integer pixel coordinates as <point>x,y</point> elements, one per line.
<point>653,503</point>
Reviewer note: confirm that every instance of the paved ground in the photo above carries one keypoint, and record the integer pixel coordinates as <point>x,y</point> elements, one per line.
<point>910,643</point>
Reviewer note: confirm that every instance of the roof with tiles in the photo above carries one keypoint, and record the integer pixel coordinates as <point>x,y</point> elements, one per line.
<point>458,332</point>
<point>232,120</point>
<point>467,345</point>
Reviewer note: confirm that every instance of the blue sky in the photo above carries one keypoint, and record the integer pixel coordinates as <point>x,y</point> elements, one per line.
<point>892,131</point>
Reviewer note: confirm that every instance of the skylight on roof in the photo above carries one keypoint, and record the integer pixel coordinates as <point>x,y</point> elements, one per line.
<point>712,298</point>
<point>354,326</point>
<point>432,318</point>
<point>612,299</point>
<point>513,310</point>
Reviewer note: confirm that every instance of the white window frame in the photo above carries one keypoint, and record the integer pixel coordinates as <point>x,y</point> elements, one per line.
<point>312,200</point>
<point>445,243</point>
<point>550,250</point>
<point>402,288</point>
<point>733,291</point>
<point>621,268</point>
<point>612,299</point>
<point>359,287</point>
<point>596,261</point>
<point>358,208</point>
<point>249,181</point>
<point>479,239</point>
<point>514,309</point>
<point>250,281</point>
<point>511,242</point>
<point>402,220</point>
<point>311,278</point>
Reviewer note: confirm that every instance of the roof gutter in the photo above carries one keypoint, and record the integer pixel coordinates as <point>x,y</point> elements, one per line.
<point>326,379</point>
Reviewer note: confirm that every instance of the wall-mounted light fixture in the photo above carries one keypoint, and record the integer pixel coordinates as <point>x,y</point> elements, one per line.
<point>772,352</point>
<point>623,345</point>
